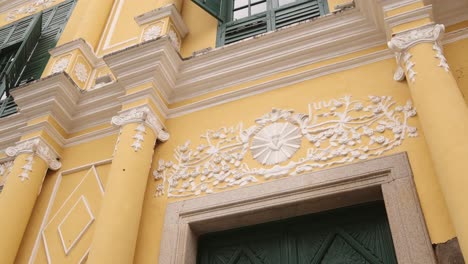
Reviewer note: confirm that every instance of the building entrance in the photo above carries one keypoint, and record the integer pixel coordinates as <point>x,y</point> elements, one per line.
<point>352,235</point>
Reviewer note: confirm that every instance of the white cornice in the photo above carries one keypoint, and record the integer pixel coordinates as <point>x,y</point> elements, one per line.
<point>160,13</point>
<point>81,45</point>
<point>6,5</point>
<point>407,17</point>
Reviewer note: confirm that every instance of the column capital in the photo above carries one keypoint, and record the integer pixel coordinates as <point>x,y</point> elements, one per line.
<point>141,114</point>
<point>402,41</point>
<point>39,147</point>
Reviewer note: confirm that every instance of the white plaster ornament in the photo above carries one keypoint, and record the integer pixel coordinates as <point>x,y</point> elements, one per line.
<point>337,131</point>
<point>60,65</point>
<point>35,146</point>
<point>152,32</point>
<point>5,169</point>
<point>142,116</point>
<point>81,72</point>
<point>29,9</point>
<point>403,41</point>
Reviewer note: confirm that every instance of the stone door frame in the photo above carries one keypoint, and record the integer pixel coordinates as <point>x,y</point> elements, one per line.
<point>387,178</point>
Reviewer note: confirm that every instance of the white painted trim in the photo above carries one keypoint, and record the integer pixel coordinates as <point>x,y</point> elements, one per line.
<point>80,44</point>
<point>59,228</point>
<point>407,17</point>
<point>163,12</point>
<point>6,5</point>
<point>52,199</point>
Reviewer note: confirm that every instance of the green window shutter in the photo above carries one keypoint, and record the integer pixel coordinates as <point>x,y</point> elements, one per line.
<point>15,33</point>
<point>244,28</point>
<point>7,107</point>
<point>16,67</point>
<point>54,21</point>
<point>292,14</point>
<point>216,8</point>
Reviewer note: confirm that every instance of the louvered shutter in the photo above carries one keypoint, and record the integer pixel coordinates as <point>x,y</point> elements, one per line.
<point>216,8</point>
<point>53,23</point>
<point>244,28</point>
<point>292,14</point>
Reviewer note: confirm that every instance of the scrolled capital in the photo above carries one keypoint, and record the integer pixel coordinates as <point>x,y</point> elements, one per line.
<point>142,114</point>
<point>39,147</point>
<point>429,33</point>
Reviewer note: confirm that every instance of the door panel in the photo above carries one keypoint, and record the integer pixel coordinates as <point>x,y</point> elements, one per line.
<point>353,235</point>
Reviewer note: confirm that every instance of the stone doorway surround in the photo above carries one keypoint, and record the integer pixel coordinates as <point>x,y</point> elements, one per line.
<point>387,178</point>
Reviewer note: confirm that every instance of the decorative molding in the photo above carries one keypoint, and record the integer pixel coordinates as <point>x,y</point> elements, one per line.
<point>5,169</point>
<point>139,137</point>
<point>29,9</point>
<point>81,72</point>
<point>81,45</point>
<point>152,32</point>
<point>440,55</point>
<point>60,65</point>
<point>143,115</point>
<point>161,13</point>
<point>402,42</point>
<point>424,12</point>
<point>339,131</point>
<point>38,147</point>
<point>174,39</point>
<point>27,168</point>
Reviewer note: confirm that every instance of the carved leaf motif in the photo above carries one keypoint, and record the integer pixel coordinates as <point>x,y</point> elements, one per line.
<point>338,131</point>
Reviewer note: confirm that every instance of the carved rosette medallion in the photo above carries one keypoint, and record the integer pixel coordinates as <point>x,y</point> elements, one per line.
<point>142,116</point>
<point>152,32</point>
<point>60,65</point>
<point>276,143</point>
<point>81,72</point>
<point>403,41</point>
<point>37,147</point>
<point>333,132</point>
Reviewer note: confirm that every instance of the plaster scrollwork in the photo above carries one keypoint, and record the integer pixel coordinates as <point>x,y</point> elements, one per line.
<point>440,56</point>
<point>81,72</point>
<point>37,147</point>
<point>403,41</point>
<point>143,116</point>
<point>152,32</point>
<point>29,9</point>
<point>60,65</point>
<point>174,39</point>
<point>338,131</point>
<point>5,169</point>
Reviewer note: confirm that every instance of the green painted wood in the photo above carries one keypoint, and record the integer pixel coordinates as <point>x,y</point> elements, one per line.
<point>24,49</point>
<point>353,235</point>
<point>216,8</point>
<point>274,18</point>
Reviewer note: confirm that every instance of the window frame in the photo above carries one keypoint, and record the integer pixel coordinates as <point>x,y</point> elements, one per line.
<point>269,17</point>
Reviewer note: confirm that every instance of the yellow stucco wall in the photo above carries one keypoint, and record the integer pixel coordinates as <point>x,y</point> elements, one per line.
<point>121,31</point>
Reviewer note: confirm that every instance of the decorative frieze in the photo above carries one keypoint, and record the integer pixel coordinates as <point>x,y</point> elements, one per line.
<point>37,147</point>
<point>29,9</point>
<point>337,131</point>
<point>403,41</point>
<point>141,115</point>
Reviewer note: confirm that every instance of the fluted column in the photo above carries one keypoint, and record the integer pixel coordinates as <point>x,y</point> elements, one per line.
<point>119,219</point>
<point>443,115</point>
<point>32,159</point>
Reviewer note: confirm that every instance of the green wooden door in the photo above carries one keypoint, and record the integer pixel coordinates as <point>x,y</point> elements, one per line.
<point>351,235</point>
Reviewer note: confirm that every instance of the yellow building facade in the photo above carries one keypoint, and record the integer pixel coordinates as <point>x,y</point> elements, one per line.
<point>175,131</point>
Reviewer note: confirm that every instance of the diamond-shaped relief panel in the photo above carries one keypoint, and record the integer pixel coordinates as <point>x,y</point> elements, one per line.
<point>75,224</point>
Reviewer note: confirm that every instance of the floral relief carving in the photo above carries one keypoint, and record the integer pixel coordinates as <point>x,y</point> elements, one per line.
<point>152,33</point>
<point>337,131</point>
<point>60,65</point>
<point>174,39</point>
<point>38,147</point>
<point>139,137</point>
<point>440,55</point>
<point>403,41</point>
<point>29,9</point>
<point>81,72</point>
<point>27,168</point>
<point>5,169</point>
